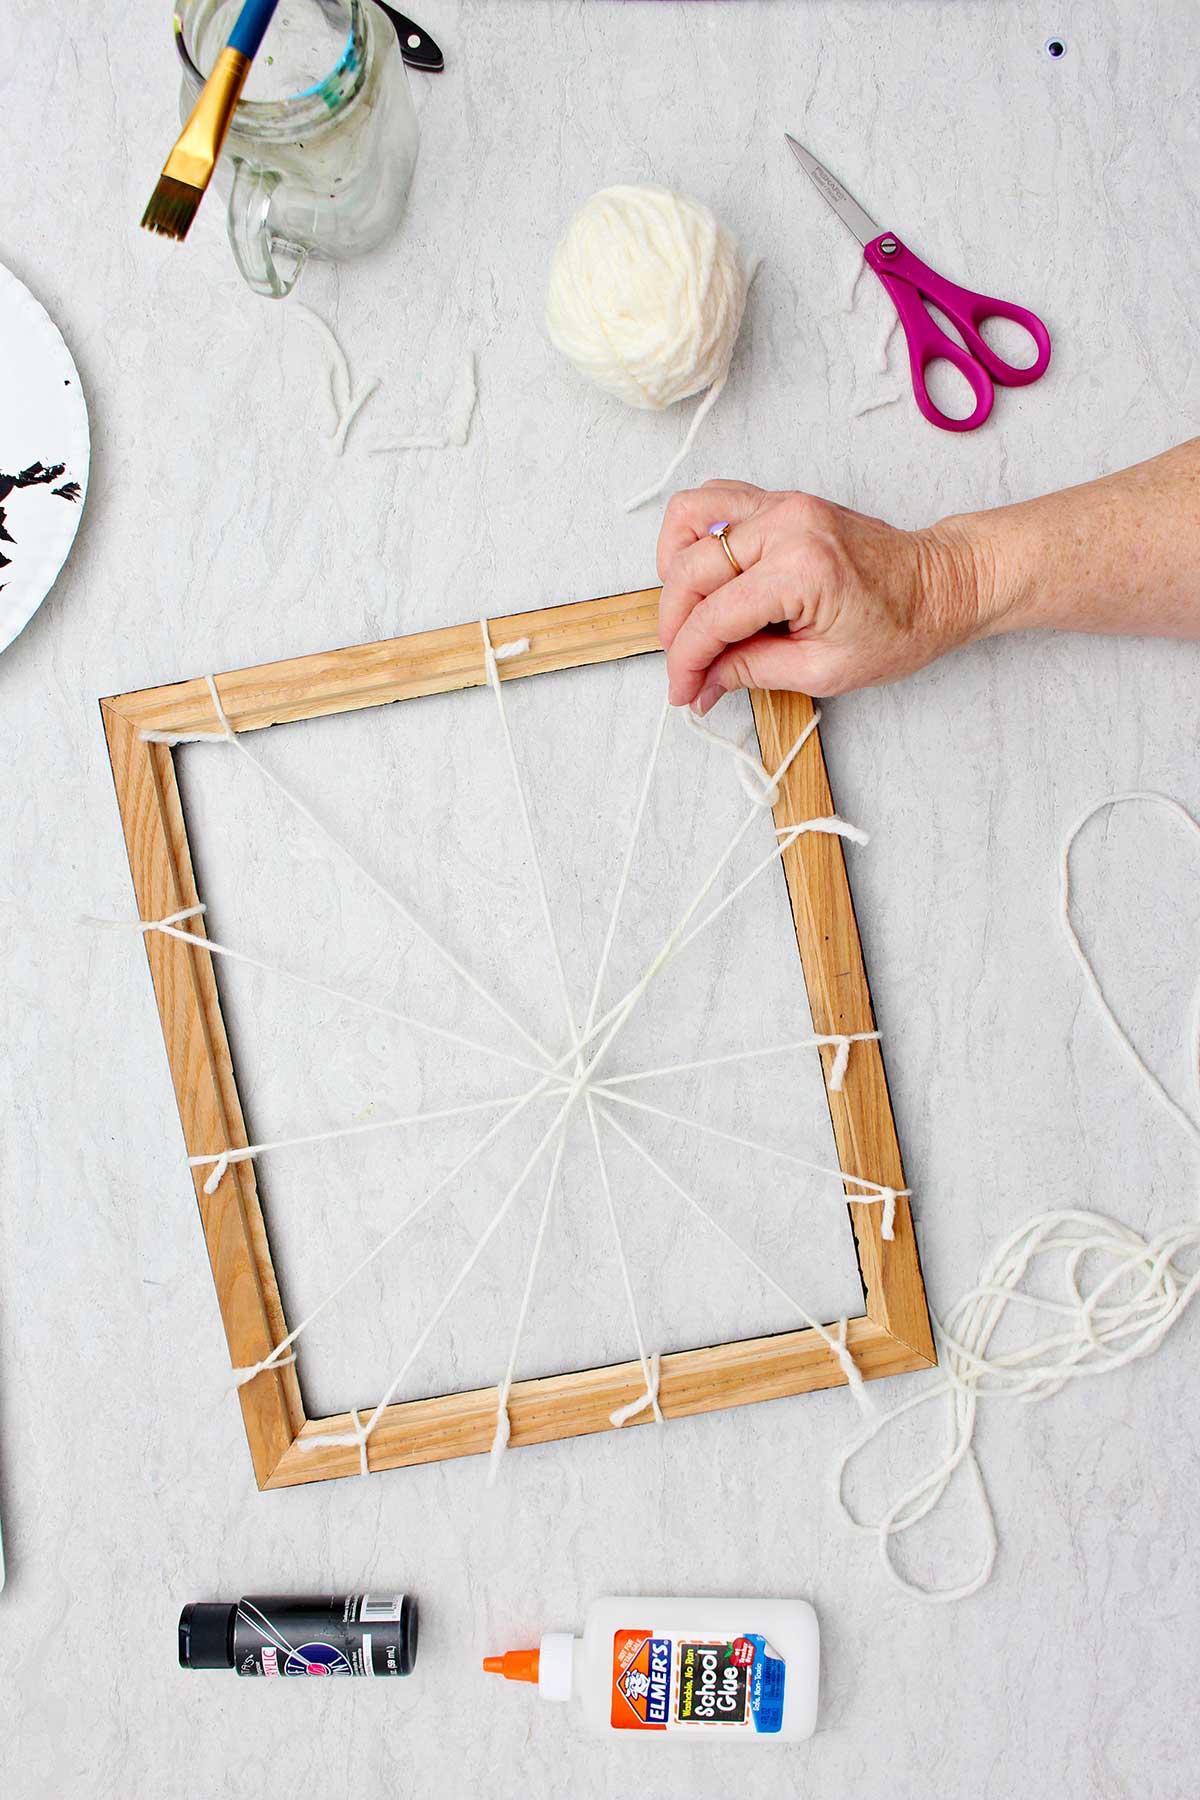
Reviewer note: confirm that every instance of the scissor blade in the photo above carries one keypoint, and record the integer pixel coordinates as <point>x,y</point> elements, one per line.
<point>831,190</point>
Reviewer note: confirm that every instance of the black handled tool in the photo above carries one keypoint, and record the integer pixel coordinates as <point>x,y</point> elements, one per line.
<point>416,46</point>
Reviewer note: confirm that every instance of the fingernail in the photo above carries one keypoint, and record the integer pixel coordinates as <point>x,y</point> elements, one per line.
<point>707,698</point>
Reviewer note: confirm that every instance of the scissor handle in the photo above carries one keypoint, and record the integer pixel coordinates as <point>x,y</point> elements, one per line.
<point>910,282</point>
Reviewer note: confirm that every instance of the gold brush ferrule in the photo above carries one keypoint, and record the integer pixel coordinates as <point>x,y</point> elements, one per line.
<point>194,157</point>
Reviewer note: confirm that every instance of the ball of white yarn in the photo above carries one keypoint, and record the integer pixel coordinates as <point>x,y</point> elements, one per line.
<point>647,291</point>
<point>646,295</point>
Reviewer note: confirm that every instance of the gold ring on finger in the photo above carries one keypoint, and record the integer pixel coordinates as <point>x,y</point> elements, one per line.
<point>718,531</point>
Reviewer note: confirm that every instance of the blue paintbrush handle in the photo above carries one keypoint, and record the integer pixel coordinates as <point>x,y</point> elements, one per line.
<point>251,27</point>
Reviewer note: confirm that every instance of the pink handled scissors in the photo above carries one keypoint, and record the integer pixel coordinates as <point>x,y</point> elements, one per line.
<point>910,283</point>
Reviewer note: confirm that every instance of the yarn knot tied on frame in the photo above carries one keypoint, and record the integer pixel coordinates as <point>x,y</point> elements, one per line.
<point>646,296</point>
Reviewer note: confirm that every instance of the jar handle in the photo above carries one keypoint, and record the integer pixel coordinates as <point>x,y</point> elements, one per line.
<point>269,263</point>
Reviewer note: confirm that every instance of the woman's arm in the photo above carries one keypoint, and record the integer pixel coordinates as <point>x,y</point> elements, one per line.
<point>831,600</point>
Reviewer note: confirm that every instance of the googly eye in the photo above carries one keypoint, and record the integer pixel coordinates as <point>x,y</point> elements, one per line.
<point>1055,48</point>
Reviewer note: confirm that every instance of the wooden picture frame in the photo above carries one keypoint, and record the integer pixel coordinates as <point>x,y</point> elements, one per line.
<point>891,1336</point>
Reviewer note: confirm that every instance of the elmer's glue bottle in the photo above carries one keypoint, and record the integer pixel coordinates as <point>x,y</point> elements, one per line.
<point>733,1671</point>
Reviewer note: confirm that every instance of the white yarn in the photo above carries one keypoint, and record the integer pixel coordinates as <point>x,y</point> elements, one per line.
<point>756,783</point>
<point>876,1191</point>
<point>503,1431</point>
<point>169,927</point>
<point>615,1018</point>
<point>841,1040</point>
<point>241,1377</point>
<point>456,427</point>
<point>220,1161</point>
<point>1096,1328</point>
<point>503,652</point>
<point>146,925</point>
<point>346,403</point>
<point>646,296</point>
<point>501,1438</point>
<point>322,1439</point>
<point>648,1369</point>
<point>535,861</point>
<point>789,834</point>
<point>1100,1324</point>
<point>1136,797</point>
<point>836,1342</point>
<point>611,1023</point>
<point>870,406</point>
<point>626,864</point>
<point>353,408</point>
<point>623,1414</point>
<point>872,402</point>
<point>551,1076</point>
<point>391,899</point>
<point>502,1434</point>
<point>362,1435</point>
<point>503,1422</point>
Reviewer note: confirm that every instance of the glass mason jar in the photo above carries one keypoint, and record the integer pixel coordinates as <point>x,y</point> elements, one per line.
<point>322,146</point>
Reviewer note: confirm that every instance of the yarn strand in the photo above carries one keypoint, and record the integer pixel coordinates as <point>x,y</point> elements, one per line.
<point>877,1192</point>
<point>842,1041</point>
<point>535,860</point>
<point>320,1439</point>
<point>503,1423</point>
<point>386,894</point>
<point>835,1343</point>
<point>677,940</point>
<point>648,1373</point>
<point>220,1160</point>
<point>169,927</point>
<point>1136,796</point>
<point>1103,1333</point>
<point>272,1361</point>
<point>626,865</point>
<point>698,417</point>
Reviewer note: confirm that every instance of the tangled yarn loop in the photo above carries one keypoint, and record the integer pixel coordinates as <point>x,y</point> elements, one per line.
<point>1084,1295</point>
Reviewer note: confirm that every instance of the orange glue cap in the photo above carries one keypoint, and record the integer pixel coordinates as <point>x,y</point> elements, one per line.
<point>514,1665</point>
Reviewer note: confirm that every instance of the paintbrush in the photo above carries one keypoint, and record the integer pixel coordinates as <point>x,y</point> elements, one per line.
<point>188,170</point>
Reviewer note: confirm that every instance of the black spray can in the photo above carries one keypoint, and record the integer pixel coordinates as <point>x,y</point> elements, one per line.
<point>273,1634</point>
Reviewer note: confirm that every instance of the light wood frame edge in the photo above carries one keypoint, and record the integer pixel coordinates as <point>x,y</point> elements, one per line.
<point>894,1333</point>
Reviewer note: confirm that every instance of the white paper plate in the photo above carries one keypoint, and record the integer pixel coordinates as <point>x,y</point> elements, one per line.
<point>43,428</point>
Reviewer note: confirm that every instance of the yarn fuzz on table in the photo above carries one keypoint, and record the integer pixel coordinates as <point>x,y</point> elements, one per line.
<point>647,291</point>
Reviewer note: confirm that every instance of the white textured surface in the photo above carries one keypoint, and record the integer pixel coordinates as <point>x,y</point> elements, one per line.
<point>219,532</point>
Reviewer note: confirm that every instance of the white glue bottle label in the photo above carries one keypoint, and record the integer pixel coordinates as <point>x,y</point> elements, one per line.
<point>734,1671</point>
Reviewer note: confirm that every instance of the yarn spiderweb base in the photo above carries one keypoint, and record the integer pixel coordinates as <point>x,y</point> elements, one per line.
<point>732,877</point>
<point>1119,1292</point>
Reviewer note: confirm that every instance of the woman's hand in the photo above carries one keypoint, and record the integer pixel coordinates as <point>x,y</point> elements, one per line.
<point>828,599</point>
